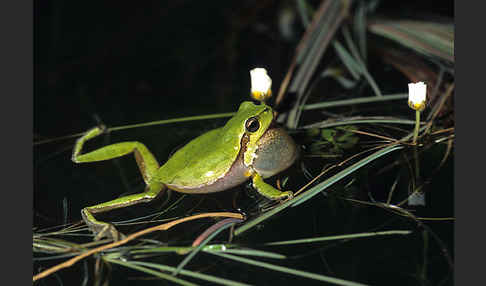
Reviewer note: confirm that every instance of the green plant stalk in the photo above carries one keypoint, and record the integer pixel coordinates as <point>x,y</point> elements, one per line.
<point>326,124</point>
<point>338,237</point>
<point>158,122</point>
<point>226,248</point>
<point>417,125</point>
<point>174,120</point>
<point>330,181</point>
<point>417,167</point>
<point>358,100</point>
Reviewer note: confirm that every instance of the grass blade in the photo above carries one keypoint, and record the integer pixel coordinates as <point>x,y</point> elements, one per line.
<point>352,101</point>
<point>291,271</point>
<point>158,122</point>
<point>158,274</point>
<point>360,28</point>
<point>348,61</point>
<point>428,38</point>
<point>362,64</point>
<point>302,8</point>
<point>329,182</point>
<point>211,248</point>
<point>250,252</point>
<point>353,63</point>
<point>358,120</point>
<point>336,75</point>
<point>193,274</point>
<point>325,23</point>
<point>337,237</point>
<point>201,246</point>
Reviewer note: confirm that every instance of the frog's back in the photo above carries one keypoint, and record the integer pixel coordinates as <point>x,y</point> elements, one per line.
<point>201,162</point>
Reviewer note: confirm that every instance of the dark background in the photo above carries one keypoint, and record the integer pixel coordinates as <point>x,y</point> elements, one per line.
<point>152,60</point>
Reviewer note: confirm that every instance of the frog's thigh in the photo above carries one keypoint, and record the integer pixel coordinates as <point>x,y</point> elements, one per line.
<point>147,163</point>
<point>267,190</point>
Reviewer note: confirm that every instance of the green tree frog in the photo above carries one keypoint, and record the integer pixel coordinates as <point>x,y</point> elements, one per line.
<point>248,146</point>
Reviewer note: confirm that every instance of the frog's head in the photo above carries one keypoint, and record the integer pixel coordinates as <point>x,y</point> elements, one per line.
<point>247,127</point>
<point>254,126</point>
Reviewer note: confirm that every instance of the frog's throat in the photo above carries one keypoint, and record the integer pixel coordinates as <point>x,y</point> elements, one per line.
<point>276,152</point>
<point>236,175</point>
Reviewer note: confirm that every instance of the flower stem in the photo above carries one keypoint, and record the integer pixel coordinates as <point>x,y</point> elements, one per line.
<point>417,125</point>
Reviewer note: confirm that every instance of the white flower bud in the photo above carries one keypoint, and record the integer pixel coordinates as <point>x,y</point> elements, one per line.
<point>261,84</point>
<point>416,95</point>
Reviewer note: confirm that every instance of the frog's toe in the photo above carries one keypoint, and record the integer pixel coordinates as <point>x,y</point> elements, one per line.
<point>288,195</point>
<point>102,128</point>
<point>107,231</point>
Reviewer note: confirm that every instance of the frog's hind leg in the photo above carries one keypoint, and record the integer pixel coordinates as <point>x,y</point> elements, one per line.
<point>146,161</point>
<point>103,229</point>
<point>147,164</point>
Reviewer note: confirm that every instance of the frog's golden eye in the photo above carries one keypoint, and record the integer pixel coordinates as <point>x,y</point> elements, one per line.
<point>252,124</point>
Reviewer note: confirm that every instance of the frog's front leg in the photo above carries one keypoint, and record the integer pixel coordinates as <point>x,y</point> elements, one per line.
<point>267,190</point>
<point>147,164</point>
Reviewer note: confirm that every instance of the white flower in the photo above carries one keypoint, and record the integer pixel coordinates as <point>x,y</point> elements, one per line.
<point>261,84</point>
<point>416,95</point>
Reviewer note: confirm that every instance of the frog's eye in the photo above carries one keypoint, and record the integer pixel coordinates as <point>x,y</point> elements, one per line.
<point>252,124</point>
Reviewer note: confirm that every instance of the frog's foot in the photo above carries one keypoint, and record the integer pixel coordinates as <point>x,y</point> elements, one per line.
<point>101,229</point>
<point>107,231</point>
<point>102,127</point>
<point>99,124</point>
<point>98,130</point>
<point>287,195</point>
